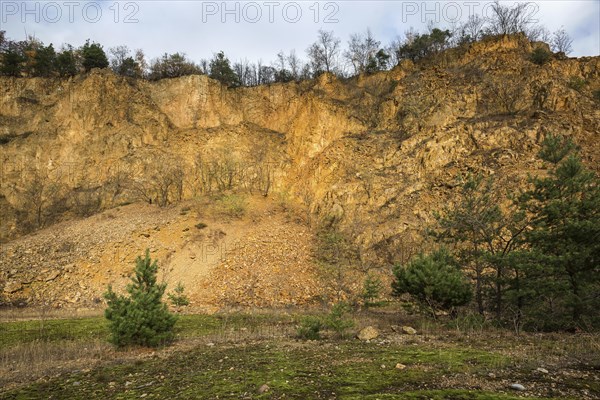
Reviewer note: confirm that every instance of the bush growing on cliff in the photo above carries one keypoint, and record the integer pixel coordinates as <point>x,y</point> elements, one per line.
<point>576,83</point>
<point>504,96</point>
<point>140,318</point>
<point>540,56</point>
<point>172,66</point>
<point>421,46</point>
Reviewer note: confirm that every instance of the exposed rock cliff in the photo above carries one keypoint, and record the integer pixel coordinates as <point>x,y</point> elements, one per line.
<point>378,153</point>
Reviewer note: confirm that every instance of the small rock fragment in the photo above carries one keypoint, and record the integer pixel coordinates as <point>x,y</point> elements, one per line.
<point>518,387</point>
<point>400,366</point>
<point>13,286</point>
<point>542,370</point>
<point>409,330</point>
<point>52,276</point>
<point>263,389</point>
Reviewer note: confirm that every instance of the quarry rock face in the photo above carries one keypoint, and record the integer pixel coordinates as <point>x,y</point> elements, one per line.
<point>377,154</point>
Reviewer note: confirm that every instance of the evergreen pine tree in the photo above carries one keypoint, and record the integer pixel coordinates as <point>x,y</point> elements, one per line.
<point>44,61</point>
<point>12,61</point>
<point>563,263</point>
<point>141,318</point>
<point>371,290</point>
<point>93,56</point>
<point>220,69</point>
<point>178,298</point>
<point>482,235</point>
<point>434,280</point>
<point>66,62</point>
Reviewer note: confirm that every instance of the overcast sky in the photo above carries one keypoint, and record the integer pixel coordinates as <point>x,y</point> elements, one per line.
<point>260,29</point>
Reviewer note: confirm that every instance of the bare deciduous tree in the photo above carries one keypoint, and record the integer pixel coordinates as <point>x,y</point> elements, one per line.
<point>393,50</point>
<point>323,54</point>
<point>245,73</point>
<point>118,54</point>
<point>41,199</point>
<point>561,42</point>
<point>86,199</point>
<point>162,183</point>
<point>142,64</point>
<point>295,65</point>
<point>473,29</point>
<point>362,50</point>
<point>337,256</point>
<point>507,20</point>
<point>538,33</point>
<point>117,185</point>
<point>505,96</point>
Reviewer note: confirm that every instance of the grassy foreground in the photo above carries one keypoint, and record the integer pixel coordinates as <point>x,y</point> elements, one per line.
<point>234,356</point>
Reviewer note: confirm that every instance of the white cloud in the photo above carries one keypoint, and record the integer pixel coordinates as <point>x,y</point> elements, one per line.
<point>200,28</point>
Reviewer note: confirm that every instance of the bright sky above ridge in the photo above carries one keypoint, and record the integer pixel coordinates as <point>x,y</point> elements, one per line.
<point>256,30</point>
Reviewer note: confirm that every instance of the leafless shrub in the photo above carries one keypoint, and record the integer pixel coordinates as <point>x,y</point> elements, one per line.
<point>561,42</point>
<point>540,94</point>
<point>117,186</point>
<point>224,170</point>
<point>504,96</point>
<point>40,197</point>
<point>162,182</point>
<point>507,20</point>
<point>86,200</point>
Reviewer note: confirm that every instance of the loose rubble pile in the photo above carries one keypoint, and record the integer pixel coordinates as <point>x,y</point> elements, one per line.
<point>264,259</point>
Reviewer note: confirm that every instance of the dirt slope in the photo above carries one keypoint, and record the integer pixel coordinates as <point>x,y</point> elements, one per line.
<point>264,258</point>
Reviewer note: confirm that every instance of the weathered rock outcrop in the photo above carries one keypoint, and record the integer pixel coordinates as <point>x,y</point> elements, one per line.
<point>377,153</point>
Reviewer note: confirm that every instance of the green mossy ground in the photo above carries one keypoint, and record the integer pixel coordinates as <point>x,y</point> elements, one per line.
<point>232,356</point>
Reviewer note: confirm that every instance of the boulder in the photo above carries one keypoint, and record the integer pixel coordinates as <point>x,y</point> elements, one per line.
<point>368,333</point>
<point>409,330</point>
